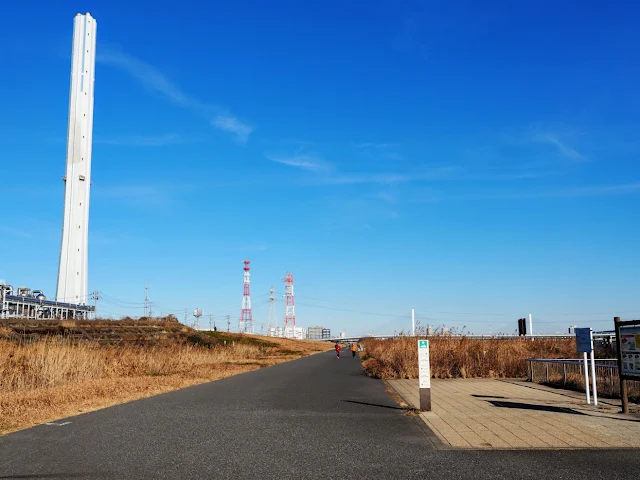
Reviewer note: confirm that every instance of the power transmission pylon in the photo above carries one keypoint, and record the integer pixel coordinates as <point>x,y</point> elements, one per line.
<point>272,321</point>
<point>228,323</point>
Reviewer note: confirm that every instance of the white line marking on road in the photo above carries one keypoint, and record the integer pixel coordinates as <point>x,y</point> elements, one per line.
<point>58,424</point>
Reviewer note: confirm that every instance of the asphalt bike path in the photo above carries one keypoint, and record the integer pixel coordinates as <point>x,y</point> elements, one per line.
<point>317,417</point>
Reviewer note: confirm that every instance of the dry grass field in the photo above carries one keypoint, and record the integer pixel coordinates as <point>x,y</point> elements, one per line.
<point>460,357</point>
<point>53,376</point>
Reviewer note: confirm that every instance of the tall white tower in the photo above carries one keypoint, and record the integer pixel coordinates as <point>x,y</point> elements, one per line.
<point>73,268</point>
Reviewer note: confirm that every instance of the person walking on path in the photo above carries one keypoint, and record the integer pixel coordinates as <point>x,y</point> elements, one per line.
<point>353,350</point>
<point>338,348</point>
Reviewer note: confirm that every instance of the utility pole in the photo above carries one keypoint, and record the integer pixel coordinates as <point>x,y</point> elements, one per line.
<point>146,299</point>
<point>413,322</point>
<point>185,316</point>
<point>530,324</point>
<point>228,323</point>
<point>95,295</point>
<point>210,322</point>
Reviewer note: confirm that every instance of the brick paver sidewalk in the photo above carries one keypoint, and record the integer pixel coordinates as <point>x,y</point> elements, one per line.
<point>488,413</point>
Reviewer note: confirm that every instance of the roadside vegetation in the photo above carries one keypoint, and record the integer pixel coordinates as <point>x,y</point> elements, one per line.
<point>460,357</point>
<point>43,378</point>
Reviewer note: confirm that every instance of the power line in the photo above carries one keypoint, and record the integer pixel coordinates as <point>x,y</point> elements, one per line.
<point>351,311</point>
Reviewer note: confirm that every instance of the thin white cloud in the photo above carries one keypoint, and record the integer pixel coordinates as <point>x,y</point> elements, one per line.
<point>582,191</point>
<point>155,81</point>
<point>148,76</point>
<point>233,125</point>
<point>563,148</point>
<point>304,161</point>
<point>594,190</point>
<point>382,178</point>
<point>141,140</point>
<point>430,174</point>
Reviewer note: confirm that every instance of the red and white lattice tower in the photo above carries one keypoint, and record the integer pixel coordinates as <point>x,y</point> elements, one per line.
<point>289,309</point>
<point>246,318</point>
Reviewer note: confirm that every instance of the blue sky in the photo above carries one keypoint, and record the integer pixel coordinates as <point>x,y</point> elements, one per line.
<point>476,161</point>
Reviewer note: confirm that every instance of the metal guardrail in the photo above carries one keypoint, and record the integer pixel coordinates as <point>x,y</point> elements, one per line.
<point>569,373</point>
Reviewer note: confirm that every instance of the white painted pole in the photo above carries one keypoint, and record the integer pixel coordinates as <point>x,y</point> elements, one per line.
<point>530,324</point>
<point>593,379</point>
<point>413,322</point>
<point>424,375</point>
<point>586,377</point>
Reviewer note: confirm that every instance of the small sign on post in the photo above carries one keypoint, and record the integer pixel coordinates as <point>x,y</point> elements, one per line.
<point>424,369</point>
<point>584,345</point>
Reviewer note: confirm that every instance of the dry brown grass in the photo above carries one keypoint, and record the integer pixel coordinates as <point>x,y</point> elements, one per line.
<point>58,376</point>
<point>460,357</point>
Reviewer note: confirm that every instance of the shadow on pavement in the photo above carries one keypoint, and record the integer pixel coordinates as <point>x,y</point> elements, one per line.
<point>375,405</point>
<point>50,475</point>
<point>486,396</point>
<point>530,406</point>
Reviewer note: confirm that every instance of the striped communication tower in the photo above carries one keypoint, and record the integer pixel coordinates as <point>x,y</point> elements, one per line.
<point>289,309</point>
<point>246,317</point>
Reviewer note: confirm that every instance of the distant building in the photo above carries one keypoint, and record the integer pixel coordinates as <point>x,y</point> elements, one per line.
<point>275,332</point>
<point>343,334</point>
<point>298,333</point>
<point>326,333</point>
<point>315,333</point>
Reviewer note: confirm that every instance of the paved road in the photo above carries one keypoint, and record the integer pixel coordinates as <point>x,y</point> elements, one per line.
<point>317,417</point>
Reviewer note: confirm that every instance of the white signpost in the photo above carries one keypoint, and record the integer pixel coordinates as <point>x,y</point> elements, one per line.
<point>584,345</point>
<point>424,369</point>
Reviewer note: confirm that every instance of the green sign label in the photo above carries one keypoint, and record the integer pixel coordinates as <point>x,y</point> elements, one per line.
<point>423,343</point>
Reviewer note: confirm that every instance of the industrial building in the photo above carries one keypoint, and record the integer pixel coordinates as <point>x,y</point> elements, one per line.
<point>25,303</point>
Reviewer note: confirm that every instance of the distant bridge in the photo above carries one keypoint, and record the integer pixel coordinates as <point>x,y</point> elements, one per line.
<point>608,335</point>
